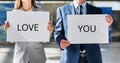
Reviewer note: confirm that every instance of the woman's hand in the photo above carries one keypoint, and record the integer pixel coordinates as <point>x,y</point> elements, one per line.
<point>64,43</point>
<point>6,25</point>
<point>50,27</point>
<point>109,19</point>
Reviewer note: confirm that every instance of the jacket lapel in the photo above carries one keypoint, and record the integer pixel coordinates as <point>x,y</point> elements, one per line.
<point>88,9</point>
<point>68,11</point>
<point>72,9</point>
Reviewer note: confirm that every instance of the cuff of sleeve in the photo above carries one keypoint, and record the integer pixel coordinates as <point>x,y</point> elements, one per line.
<point>58,40</point>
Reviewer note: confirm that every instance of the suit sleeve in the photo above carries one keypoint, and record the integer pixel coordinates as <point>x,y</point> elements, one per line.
<point>59,30</point>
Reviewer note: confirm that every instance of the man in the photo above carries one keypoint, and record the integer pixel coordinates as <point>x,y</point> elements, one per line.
<point>71,52</point>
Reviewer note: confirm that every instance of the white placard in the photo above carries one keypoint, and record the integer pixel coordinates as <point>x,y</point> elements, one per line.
<point>84,29</point>
<point>28,26</point>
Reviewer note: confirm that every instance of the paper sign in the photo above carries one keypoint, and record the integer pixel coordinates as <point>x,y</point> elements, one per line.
<point>84,29</point>
<point>28,26</point>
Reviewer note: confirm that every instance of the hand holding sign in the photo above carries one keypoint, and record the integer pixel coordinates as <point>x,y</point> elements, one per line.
<point>109,19</point>
<point>50,27</point>
<point>6,25</point>
<point>64,43</point>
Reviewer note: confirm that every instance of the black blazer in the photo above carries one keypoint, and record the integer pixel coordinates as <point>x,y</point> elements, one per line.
<point>93,10</point>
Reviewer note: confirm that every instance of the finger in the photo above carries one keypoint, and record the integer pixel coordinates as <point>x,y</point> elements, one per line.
<point>108,17</point>
<point>109,20</point>
<point>62,46</point>
<point>49,27</point>
<point>7,24</point>
<point>49,22</point>
<point>68,42</point>
<point>65,41</point>
<point>65,44</point>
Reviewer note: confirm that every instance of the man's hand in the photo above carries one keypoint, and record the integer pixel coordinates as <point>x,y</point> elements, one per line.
<point>109,19</point>
<point>64,43</point>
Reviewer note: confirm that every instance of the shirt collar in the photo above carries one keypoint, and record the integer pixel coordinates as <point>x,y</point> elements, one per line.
<point>76,5</point>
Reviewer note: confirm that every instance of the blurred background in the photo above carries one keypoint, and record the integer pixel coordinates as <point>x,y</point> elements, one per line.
<point>110,51</point>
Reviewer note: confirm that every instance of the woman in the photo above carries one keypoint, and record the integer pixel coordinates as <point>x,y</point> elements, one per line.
<point>26,51</point>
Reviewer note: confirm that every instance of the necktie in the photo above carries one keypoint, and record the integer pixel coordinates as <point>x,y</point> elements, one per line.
<point>81,8</point>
